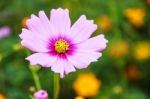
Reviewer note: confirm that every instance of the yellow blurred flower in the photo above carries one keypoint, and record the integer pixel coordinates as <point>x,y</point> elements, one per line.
<point>86,85</point>
<point>2,96</point>
<point>17,47</point>
<point>1,57</point>
<point>104,23</point>
<point>23,22</point>
<point>142,50</point>
<point>69,6</point>
<point>118,49</point>
<point>117,89</point>
<point>32,89</point>
<point>79,97</point>
<point>135,16</point>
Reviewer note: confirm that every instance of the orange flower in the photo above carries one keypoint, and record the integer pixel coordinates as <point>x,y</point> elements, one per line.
<point>104,23</point>
<point>86,85</point>
<point>135,16</point>
<point>2,96</point>
<point>132,72</point>
<point>142,51</point>
<point>23,22</point>
<point>148,2</point>
<point>79,97</point>
<point>118,49</point>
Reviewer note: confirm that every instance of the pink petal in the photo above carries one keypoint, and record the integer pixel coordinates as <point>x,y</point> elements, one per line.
<point>60,19</point>
<point>33,41</point>
<point>63,66</point>
<point>97,43</point>
<point>41,94</point>
<point>82,29</point>
<point>39,25</point>
<point>82,58</point>
<point>58,67</point>
<point>46,23</point>
<point>5,31</point>
<point>68,67</point>
<point>43,59</point>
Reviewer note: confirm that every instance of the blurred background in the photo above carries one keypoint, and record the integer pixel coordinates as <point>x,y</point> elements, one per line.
<point>123,72</point>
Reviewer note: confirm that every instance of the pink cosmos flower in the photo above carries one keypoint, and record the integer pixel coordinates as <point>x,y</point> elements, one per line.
<point>42,94</point>
<point>59,45</point>
<point>4,31</point>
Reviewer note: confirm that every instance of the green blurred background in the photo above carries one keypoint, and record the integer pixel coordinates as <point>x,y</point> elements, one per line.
<point>123,70</point>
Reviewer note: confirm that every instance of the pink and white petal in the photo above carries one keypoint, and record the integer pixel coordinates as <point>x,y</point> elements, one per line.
<point>43,59</point>
<point>25,34</point>
<point>36,25</point>
<point>58,67</point>
<point>30,35</point>
<point>60,19</point>
<point>82,29</point>
<point>33,42</point>
<point>82,58</point>
<point>35,46</point>
<point>68,67</point>
<point>97,43</point>
<point>77,26</point>
<point>46,23</point>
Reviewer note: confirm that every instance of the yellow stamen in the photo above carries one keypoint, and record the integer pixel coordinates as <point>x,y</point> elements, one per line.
<point>61,46</point>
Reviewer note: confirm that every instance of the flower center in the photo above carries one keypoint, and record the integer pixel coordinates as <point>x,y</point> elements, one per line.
<point>61,46</point>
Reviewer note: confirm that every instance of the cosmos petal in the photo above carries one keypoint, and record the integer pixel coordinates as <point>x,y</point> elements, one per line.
<point>5,31</point>
<point>97,43</point>
<point>82,29</point>
<point>82,58</point>
<point>68,67</point>
<point>39,26</point>
<point>43,59</point>
<point>63,67</point>
<point>46,24</point>
<point>33,41</point>
<point>58,67</point>
<point>60,19</point>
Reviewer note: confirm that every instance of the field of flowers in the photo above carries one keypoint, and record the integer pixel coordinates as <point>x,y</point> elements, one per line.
<point>74,49</point>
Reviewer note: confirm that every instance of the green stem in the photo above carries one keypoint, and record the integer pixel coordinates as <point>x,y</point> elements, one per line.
<point>31,97</point>
<point>114,12</point>
<point>56,86</point>
<point>34,74</point>
<point>35,77</point>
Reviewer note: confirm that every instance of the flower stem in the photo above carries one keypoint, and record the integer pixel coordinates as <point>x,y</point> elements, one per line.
<point>31,97</point>
<point>34,71</point>
<point>35,77</point>
<point>114,13</point>
<point>56,86</point>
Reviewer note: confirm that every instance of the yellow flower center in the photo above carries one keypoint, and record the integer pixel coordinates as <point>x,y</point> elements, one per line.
<point>61,46</point>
